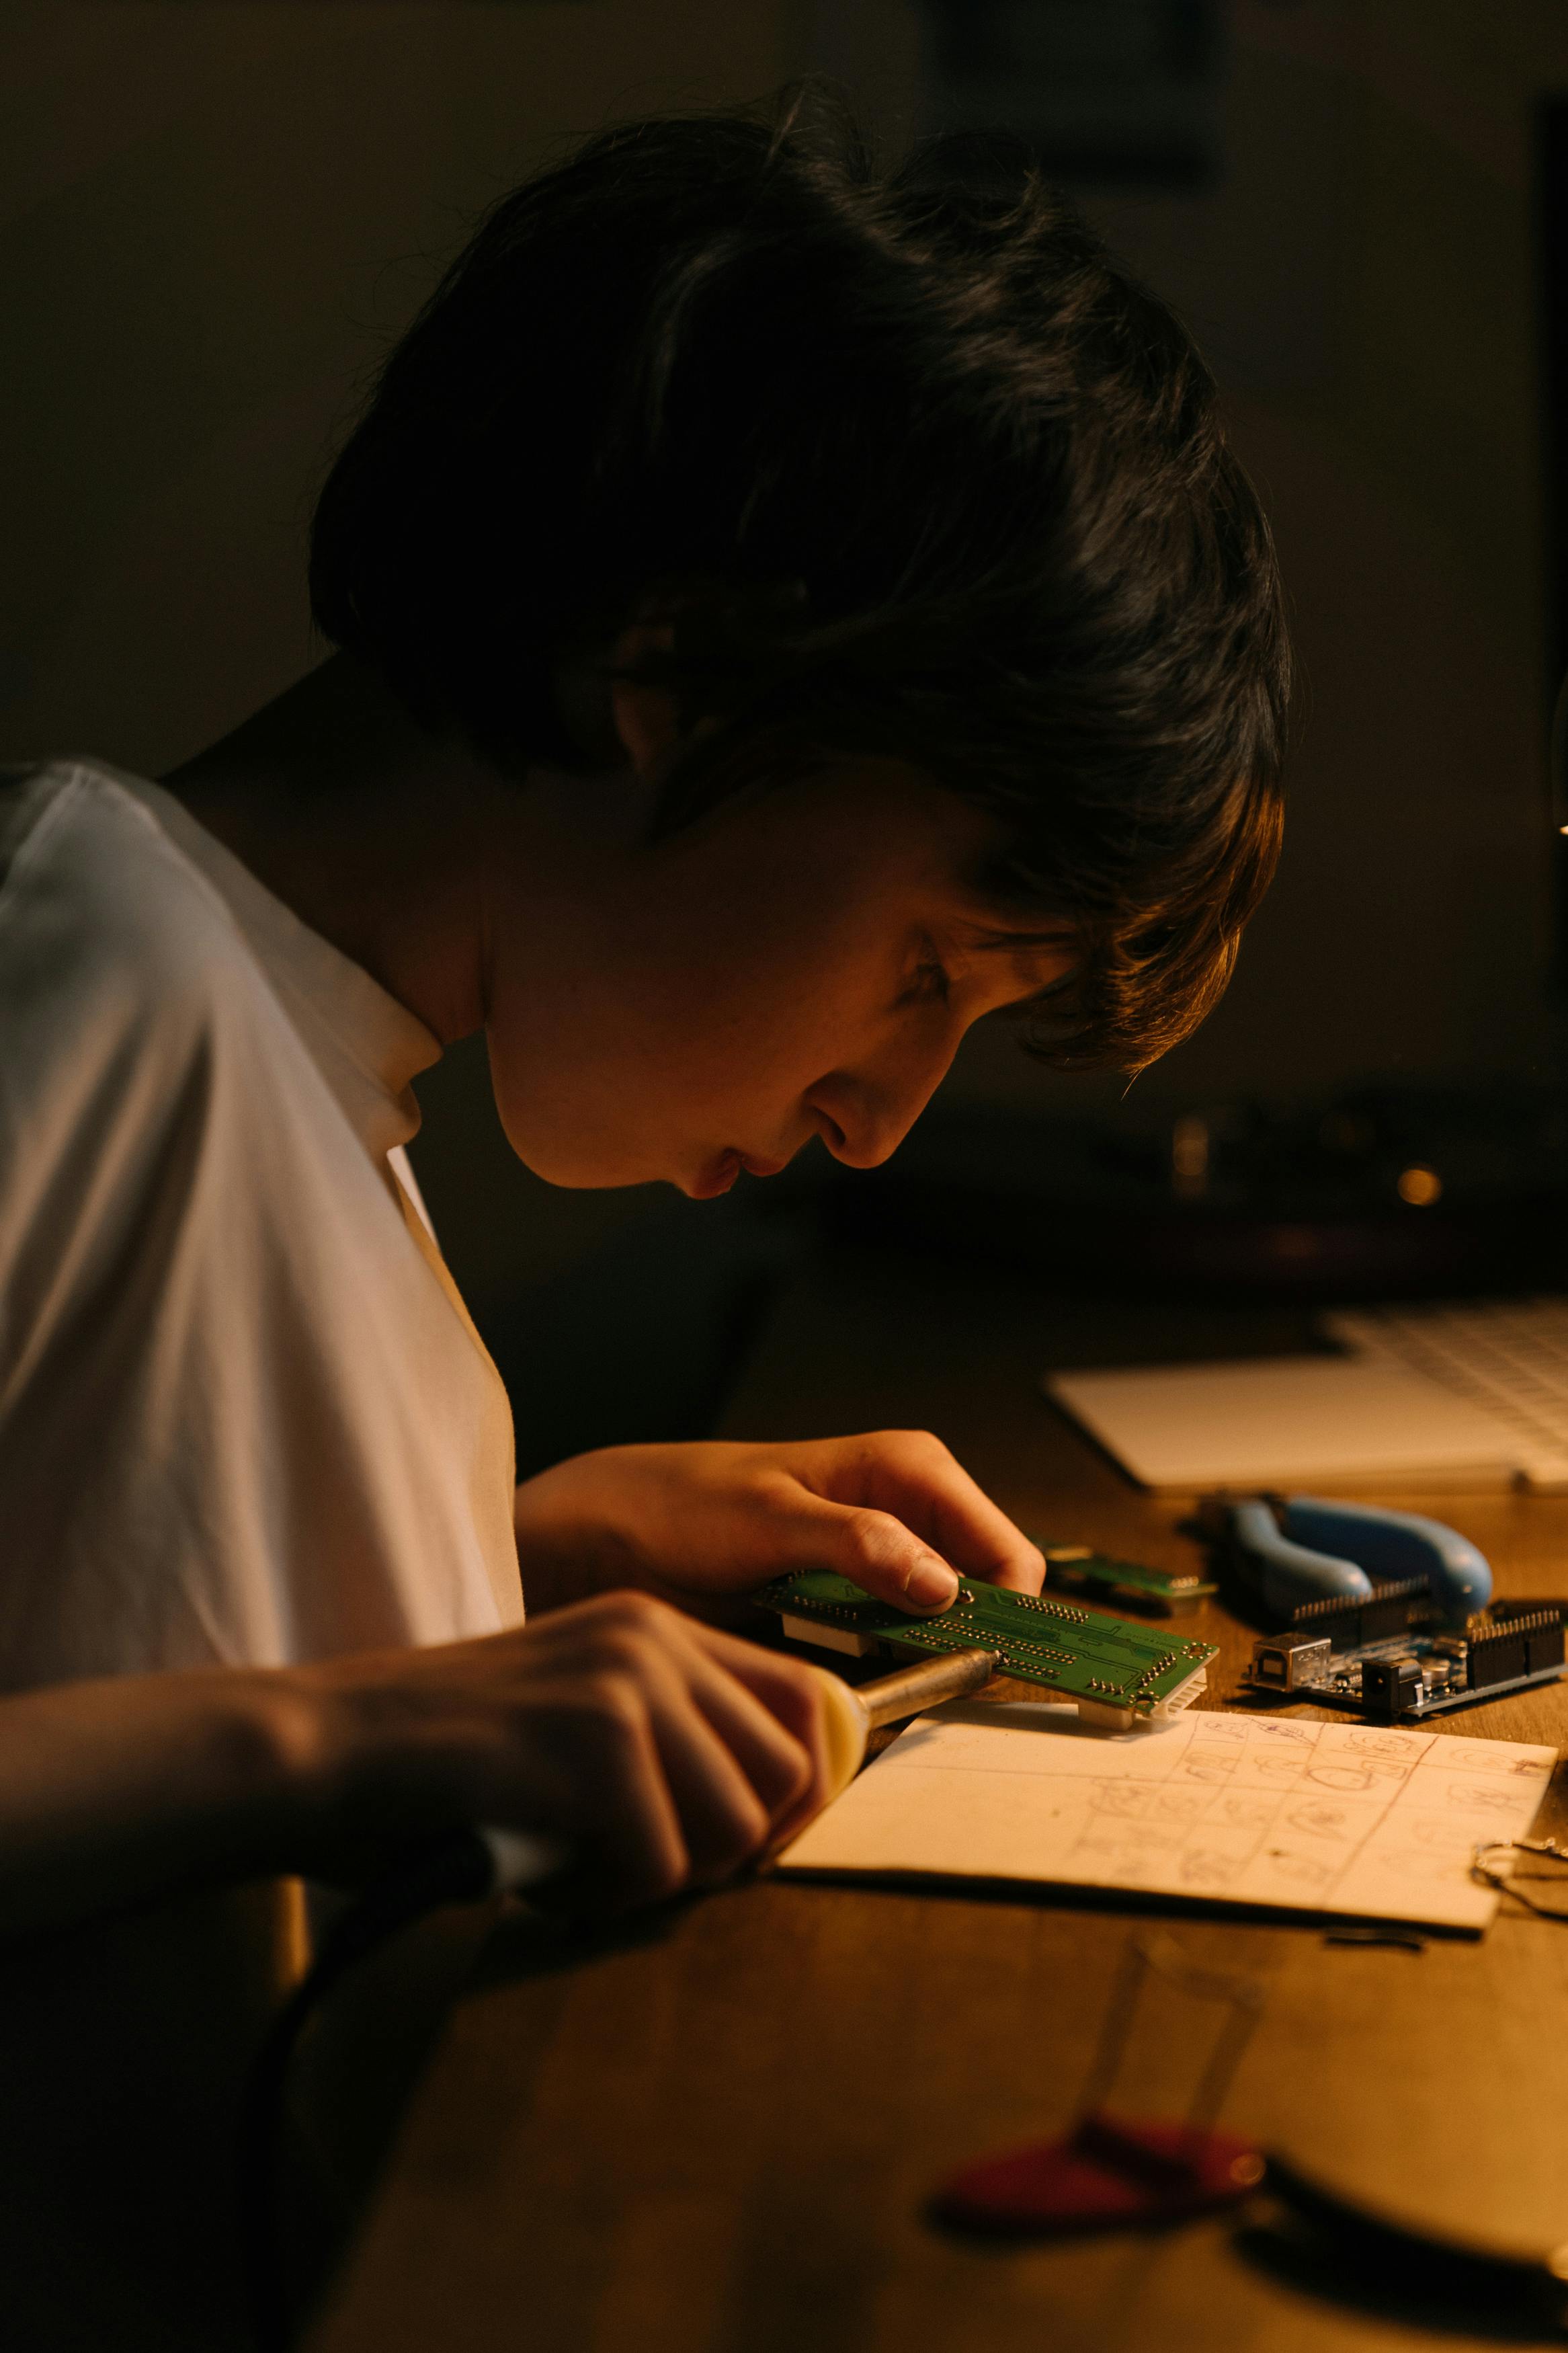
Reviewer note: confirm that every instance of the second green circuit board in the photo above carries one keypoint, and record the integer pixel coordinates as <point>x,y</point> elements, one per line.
<point>1115,1672</point>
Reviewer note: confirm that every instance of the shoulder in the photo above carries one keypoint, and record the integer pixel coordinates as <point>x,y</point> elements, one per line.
<point>136,1045</point>
<point>103,915</point>
<point>135,1014</point>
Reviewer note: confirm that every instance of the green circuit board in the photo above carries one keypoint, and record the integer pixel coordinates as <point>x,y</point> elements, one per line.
<point>1110,1667</point>
<point>1126,1584</point>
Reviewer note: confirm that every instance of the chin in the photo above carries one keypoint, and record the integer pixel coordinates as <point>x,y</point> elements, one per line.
<point>592,1164</point>
<point>575,1172</point>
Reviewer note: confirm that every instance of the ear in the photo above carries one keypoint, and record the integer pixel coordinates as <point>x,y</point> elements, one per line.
<point>646,718</point>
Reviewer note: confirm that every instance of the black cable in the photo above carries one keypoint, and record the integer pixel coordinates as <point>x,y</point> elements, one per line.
<point>457,1868</point>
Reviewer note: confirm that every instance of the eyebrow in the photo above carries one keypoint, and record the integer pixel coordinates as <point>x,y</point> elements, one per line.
<point>1020,944</point>
<point>984,937</point>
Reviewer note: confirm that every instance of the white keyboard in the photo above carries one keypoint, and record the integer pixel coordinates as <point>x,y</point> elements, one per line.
<point>1508,1358</point>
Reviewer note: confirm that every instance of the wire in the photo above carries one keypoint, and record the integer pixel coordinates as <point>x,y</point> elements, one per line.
<point>1493,1875</point>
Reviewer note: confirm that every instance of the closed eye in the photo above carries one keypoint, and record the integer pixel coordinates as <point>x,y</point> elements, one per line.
<point>932,985</point>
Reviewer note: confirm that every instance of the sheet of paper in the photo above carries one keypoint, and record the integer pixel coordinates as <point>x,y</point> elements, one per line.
<point>1354,1819</point>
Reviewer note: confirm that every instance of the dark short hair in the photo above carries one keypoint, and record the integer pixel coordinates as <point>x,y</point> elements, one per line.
<point>918,470</point>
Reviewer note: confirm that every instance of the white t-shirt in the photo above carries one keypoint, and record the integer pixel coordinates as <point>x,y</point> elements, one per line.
<point>244,1417</point>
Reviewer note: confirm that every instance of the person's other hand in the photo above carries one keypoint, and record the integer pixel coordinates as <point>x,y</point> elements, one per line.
<point>892,1510</point>
<point>659,1752</point>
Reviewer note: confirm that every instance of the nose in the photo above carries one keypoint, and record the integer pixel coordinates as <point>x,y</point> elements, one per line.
<point>863,1116</point>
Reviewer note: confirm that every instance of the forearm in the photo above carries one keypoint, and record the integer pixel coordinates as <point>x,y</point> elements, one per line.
<point>117,1792</point>
<point>656,1751</point>
<point>571,1540</point>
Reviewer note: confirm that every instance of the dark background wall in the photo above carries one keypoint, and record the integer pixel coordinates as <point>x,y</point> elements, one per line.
<point>212,212</point>
<point>1362,276</point>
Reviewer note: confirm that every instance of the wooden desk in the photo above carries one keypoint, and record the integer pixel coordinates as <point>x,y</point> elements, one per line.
<point>716,2137</point>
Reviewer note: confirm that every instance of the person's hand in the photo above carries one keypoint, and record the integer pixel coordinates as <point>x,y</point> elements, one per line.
<point>892,1510</point>
<point>658,1751</point>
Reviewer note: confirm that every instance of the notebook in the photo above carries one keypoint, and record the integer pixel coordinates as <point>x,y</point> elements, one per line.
<point>1349,1820</point>
<point>1450,1397</point>
<point>1285,1421</point>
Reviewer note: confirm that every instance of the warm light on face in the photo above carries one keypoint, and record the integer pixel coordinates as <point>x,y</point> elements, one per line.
<point>1420,1187</point>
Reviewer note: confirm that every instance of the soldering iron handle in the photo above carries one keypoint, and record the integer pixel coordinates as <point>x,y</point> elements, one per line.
<point>851,1713</point>
<point>524,1859</point>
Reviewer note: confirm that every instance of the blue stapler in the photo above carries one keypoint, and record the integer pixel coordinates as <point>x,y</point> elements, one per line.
<point>1291,1549</point>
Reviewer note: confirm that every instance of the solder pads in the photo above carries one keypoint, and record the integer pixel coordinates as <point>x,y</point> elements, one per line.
<point>1111,1669</point>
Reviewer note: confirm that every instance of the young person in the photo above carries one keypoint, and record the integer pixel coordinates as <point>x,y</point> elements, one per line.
<point>784,616</point>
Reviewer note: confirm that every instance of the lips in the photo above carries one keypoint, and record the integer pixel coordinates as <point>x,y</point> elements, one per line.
<point>721,1174</point>
<point>716,1178</point>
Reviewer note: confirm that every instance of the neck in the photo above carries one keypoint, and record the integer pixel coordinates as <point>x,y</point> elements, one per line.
<point>371,828</point>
